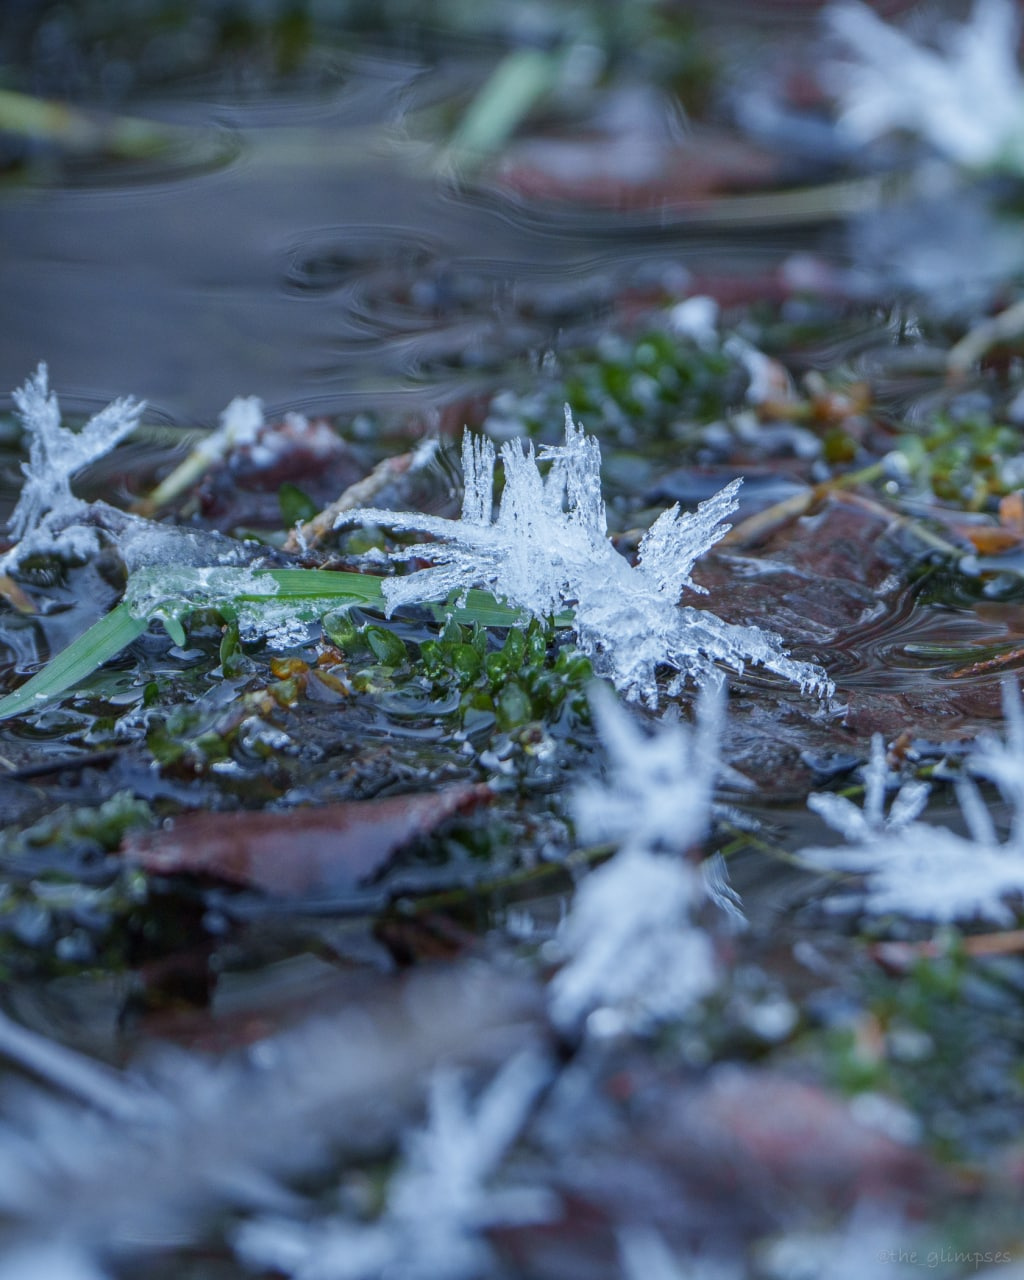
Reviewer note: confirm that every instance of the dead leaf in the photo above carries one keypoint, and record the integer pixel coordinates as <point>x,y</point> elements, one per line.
<point>304,852</point>
<point>990,539</point>
<point>1011,512</point>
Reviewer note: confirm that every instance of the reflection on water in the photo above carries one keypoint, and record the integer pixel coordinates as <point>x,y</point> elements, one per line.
<point>915,645</point>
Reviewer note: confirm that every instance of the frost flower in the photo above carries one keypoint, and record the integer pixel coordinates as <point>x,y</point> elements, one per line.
<point>547,549</point>
<point>915,869</point>
<point>47,514</point>
<point>630,941</point>
<point>966,100</point>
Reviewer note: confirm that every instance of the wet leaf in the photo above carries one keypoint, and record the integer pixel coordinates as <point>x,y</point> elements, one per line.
<point>295,504</point>
<point>307,851</point>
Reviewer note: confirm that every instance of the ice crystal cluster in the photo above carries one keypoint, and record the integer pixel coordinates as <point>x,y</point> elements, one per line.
<point>917,869</point>
<point>965,98</point>
<point>48,515</point>
<point>631,945</point>
<point>438,1200</point>
<point>103,1168</point>
<point>547,549</point>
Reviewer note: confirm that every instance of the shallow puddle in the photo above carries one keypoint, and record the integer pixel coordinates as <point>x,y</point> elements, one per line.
<point>302,226</point>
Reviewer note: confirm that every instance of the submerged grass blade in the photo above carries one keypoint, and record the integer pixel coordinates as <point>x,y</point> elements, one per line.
<point>82,132</point>
<point>520,81</point>
<point>318,584</point>
<point>102,641</point>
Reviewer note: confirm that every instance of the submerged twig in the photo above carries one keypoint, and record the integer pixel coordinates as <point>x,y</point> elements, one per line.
<point>1007,326</point>
<point>42,119</point>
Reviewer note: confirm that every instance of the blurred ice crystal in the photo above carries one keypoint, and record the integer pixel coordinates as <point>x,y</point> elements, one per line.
<point>630,941</point>
<point>696,318</point>
<point>438,1201</point>
<point>547,549</point>
<point>46,516</point>
<point>865,1247</point>
<point>50,1261</point>
<point>966,99</point>
<point>632,945</point>
<point>657,794</point>
<point>916,869</point>
<point>116,1166</point>
<point>1002,761</point>
<point>240,424</point>
<point>646,1256</point>
<point>871,821</point>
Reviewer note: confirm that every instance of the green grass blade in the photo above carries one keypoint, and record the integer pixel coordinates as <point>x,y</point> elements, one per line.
<point>317,584</point>
<point>482,607</point>
<point>320,584</point>
<point>81,658</point>
<point>520,81</point>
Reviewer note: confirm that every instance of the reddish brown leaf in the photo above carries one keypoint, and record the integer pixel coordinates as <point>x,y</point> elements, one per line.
<point>633,171</point>
<point>331,849</point>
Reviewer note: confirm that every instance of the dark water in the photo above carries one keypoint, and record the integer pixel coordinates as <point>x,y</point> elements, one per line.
<point>300,244</point>
<point>303,241</point>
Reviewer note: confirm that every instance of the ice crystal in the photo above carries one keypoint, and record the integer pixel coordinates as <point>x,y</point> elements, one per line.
<point>1002,761</point>
<point>646,1256</point>
<point>170,593</point>
<point>966,99</point>
<point>547,549</point>
<point>46,516</point>
<point>633,949</point>
<point>438,1201</point>
<point>114,1164</point>
<point>916,869</point>
<point>240,424</point>
<point>630,941</point>
<point>50,1261</point>
<point>871,821</point>
<point>864,1247</point>
<point>657,796</point>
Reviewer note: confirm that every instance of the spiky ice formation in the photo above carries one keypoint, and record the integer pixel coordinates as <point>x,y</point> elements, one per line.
<point>547,549</point>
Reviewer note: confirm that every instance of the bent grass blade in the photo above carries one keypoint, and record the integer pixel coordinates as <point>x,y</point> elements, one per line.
<point>106,638</point>
<point>81,658</point>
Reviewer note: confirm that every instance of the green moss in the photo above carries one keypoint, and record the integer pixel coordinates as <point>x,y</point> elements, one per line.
<point>654,386</point>
<point>528,678</point>
<point>969,460</point>
<point>945,1039</point>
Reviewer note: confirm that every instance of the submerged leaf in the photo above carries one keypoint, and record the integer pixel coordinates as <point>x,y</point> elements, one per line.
<point>332,849</point>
